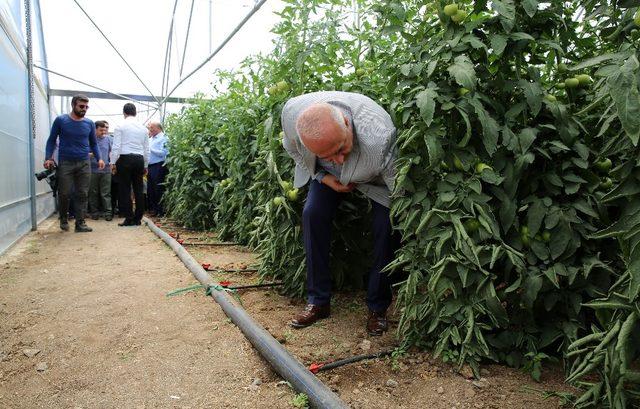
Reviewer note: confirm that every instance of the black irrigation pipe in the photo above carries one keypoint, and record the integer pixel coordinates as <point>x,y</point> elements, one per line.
<point>207,267</point>
<point>320,396</point>
<point>325,366</point>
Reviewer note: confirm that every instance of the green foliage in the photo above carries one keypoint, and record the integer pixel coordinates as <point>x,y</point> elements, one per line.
<point>300,401</point>
<point>518,182</point>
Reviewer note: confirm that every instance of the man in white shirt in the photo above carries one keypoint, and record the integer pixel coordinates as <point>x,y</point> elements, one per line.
<point>130,154</point>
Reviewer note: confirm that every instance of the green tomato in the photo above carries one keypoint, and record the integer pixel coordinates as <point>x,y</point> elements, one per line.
<point>606,184</point>
<point>283,86</point>
<point>550,98</point>
<point>480,167</point>
<point>572,82</point>
<point>286,185</point>
<point>584,79</point>
<point>459,16</point>
<point>560,85</point>
<point>360,72</point>
<point>562,68</point>
<point>292,195</point>
<point>278,201</point>
<point>604,165</point>
<point>457,163</point>
<point>546,236</point>
<point>451,9</point>
<point>471,225</point>
<point>272,90</point>
<point>462,91</point>
<point>281,135</point>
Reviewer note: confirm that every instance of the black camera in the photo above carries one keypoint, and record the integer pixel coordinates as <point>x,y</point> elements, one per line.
<point>50,175</point>
<point>45,173</point>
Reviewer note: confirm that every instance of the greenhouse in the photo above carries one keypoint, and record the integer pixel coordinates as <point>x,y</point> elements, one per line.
<point>391,204</point>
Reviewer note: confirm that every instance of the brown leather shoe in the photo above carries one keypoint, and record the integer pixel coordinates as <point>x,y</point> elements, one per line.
<point>377,323</point>
<point>311,314</point>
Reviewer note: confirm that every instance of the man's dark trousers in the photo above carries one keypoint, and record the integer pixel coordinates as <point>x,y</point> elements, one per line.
<point>73,173</point>
<point>317,218</point>
<point>100,193</point>
<point>130,170</point>
<point>115,193</point>
<point>155,186</point>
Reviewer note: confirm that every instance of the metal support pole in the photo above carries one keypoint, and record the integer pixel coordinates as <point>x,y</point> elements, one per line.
<point>186,39</point>
<point>45,62</point>
<point>114,47</point>
<point>32,116</point>
<point>217,50</point>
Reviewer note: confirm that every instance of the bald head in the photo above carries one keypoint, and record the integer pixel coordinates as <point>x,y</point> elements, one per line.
<point>325,131</point>
<point>154,128</point>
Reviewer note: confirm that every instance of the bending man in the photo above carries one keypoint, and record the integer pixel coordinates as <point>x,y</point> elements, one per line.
<point>341,141</point>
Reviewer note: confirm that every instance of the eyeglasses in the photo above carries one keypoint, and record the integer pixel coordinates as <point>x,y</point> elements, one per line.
<point>82,106</point>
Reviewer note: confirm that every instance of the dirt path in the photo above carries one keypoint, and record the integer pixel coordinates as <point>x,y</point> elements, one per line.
<point>93,310</point>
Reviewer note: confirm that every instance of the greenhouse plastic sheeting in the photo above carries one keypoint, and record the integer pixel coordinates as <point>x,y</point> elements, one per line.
<point>15,207</point>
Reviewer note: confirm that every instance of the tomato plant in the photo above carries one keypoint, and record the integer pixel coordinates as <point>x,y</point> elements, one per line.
<point>517,186</point>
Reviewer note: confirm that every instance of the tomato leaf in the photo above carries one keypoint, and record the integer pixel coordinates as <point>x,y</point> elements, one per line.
<point>425,100</point>
<point>623,86</point>
<point>463,72</point>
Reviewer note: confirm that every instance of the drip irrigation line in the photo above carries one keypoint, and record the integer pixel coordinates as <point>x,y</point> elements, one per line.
<point>325,366</point>
<point>232,270</point>
<point>206,244</point>
<point>281,360</point>
<point>93,86</point>
<point>116,50</point>
<point>186,39</point>
<point>248,286</point>
<point>217,50</point>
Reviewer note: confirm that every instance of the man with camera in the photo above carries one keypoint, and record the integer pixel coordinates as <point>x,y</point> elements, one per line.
<point>77,137</point>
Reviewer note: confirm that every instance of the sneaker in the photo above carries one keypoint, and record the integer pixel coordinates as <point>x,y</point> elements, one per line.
<point>83,228</point>
<point>64,225</point>
<point>108,217</point>
<point>95,216</point>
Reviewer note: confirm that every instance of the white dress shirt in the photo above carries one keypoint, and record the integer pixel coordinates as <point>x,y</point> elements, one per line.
<point>130,138</point>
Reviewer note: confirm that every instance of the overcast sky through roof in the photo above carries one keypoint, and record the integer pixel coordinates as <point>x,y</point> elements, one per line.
<point>139,29</point>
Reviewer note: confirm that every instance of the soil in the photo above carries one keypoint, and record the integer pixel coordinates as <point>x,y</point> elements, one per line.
<point>95,308</point>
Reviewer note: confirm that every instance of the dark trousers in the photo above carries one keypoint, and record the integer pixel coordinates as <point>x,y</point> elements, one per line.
<point>115,193</point>
<point>100,193</point>
<point>155,186</point>
<point>73,174</point>
<point>130,169</point>
<point>317,217</point>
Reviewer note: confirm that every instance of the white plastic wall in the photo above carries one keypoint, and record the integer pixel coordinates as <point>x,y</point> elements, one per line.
<point>15,208</point>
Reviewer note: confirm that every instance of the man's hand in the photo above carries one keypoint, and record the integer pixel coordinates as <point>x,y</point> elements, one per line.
<point>113,169</point>
<point>100,164</point>
<point>334,184</point>
<point>49,163</point>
